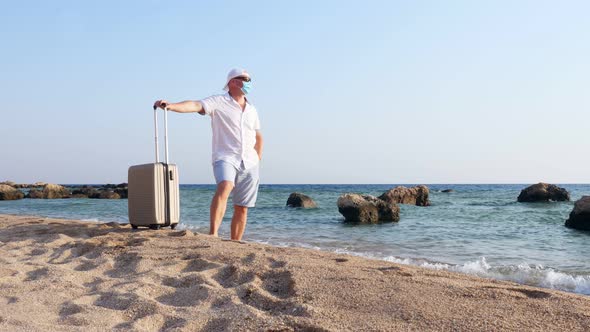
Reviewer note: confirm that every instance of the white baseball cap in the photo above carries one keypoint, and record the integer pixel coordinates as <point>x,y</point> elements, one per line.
<point>235,72</point>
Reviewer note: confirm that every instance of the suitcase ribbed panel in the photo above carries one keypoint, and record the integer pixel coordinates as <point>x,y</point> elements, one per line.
<point>174,194</point>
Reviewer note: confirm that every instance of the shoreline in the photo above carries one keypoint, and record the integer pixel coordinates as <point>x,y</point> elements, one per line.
<point>544,278</point>
<point>75,275</point>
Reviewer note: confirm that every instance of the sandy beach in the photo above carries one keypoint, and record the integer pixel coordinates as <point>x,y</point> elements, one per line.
<point>63,275</point>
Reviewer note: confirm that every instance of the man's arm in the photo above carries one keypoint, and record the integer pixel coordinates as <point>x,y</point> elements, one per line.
<point>188,106</point>
<point>259,144</point>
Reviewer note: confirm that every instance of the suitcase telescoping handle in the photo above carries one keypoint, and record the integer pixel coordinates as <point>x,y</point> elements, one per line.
<point>165,134</point>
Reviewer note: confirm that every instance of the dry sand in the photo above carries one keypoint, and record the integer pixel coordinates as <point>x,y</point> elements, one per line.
<point>80,276</point>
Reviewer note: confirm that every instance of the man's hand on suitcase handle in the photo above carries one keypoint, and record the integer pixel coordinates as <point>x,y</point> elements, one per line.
<point>161,104</point>
<point>187,106</point>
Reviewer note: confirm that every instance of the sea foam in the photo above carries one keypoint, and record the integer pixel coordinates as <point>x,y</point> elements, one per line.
<point>533,275</point>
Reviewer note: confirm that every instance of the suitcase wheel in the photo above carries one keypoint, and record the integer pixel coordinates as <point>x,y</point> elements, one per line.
<point>133,226</point>
<point>173,226</point>
<point>155,226</point>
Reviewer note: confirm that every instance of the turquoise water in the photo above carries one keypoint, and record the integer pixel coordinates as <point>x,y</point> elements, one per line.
<point>478,229</point>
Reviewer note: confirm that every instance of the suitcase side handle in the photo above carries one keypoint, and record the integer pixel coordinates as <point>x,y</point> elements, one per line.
<point>165,134</point>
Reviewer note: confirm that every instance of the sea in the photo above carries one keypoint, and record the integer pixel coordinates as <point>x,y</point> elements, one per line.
<point>478,229</point>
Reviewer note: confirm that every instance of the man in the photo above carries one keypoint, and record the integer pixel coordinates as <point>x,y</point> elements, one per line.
<point>237,148</point>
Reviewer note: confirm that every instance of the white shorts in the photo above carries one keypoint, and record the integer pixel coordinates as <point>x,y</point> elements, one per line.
<point>245,181</point>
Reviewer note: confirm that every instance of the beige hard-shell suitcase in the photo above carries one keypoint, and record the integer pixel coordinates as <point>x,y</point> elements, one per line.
<point>153,195</point>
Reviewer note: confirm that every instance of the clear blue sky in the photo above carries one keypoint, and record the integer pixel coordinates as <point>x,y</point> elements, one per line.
<point>347,92</point>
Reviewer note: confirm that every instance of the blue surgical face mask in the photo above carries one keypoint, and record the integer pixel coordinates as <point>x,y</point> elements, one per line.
<point>246,86</point>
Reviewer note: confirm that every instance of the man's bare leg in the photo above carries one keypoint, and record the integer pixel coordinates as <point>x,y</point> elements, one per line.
<point>218,205</point>
<point>238,222</point>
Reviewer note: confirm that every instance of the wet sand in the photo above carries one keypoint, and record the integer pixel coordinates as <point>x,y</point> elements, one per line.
<point>83,276</point>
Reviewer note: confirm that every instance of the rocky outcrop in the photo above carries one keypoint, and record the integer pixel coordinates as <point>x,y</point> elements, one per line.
<point>108,191</point>
<point>107,194</point>
<point>34,193</point>
<point>543,192</point>
<point>9,193</point>
<point>35,185</point>
<point>401,195</point>
<point>52,191</point>
<point>122,192</point>
<point>366,209</point>
<point>300,200</point>
<point>85,192</point>
<point>16,185</point>
<point>55,191</point>
<point>580,215</point>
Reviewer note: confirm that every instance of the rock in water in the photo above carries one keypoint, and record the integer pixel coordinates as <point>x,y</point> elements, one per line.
<point>52,191</point>
<point>85,192</point>
<point>34,193</point>
<point>366,209</point>
<point>9,193</point>
<point>580,215</point>
<point>401,195</point>
<point>543,192</point>
<point>109,195</point>
<point>300,200</point>
<point>122,192</point>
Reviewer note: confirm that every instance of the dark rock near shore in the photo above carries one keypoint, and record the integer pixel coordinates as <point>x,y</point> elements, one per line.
<point>580,215</point>
<point>543,192</point>
<point>300,200</point>
<point>367,209</point>
<point>447,191</point>
<point>9,193</point>
<point>401,195</point>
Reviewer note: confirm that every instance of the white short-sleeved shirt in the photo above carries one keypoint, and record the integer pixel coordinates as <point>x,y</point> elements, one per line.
<point>234,130</point>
